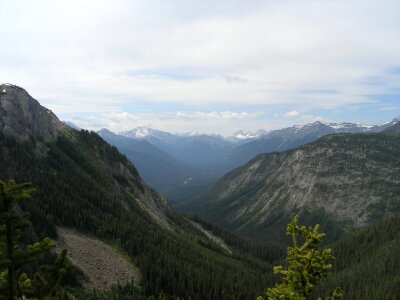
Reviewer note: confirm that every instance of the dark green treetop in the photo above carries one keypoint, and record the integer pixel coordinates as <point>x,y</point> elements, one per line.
<point>15,282</point>
<point>307,266</point>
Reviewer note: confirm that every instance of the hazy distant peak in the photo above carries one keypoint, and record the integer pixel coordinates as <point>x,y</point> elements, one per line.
<point>105,131</point>
<point>261,132</point>
<point>72,125</point>
<point>217,136</point>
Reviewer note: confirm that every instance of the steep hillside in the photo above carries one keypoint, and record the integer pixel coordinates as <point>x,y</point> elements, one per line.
<point>86,184</point>
<point>343,181</point>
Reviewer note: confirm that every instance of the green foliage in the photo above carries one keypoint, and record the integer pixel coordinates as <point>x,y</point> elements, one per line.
<point>14,280</point>
<point>79,186</point>
<point>308,266</point>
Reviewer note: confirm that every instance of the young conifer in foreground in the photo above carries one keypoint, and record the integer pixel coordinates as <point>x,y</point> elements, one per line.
<point>307,266</point>
<point>15,282</point>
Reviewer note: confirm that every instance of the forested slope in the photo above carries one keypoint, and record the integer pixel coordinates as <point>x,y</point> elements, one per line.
<point>367,264</point>
<point>86,184</point>
<point>344,181</point>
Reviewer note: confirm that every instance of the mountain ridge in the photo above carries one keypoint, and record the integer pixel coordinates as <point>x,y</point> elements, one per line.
<point>22,116</point>
<point>317,178</point>
<point>293,137</point>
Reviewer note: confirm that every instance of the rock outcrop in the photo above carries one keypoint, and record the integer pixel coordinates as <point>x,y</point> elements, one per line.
<point>23,117</point>
<point>350,178</point>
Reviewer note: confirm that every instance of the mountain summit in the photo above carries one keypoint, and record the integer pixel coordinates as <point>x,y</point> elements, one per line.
<point>23,117</point>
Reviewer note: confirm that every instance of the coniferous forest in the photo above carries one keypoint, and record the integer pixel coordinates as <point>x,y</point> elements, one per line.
<point>178,262</point>
<point>74,190</point>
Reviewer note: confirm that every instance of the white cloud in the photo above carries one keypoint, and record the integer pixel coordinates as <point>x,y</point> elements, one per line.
<point>224,115</point>
<point>292,114</point>
<point>222,121</point>
<point>303,117</point>
<point>112,55</point>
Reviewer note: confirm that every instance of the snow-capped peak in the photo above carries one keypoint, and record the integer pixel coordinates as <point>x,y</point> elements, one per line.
<point>392,122</point>
<point>141,132</point>
<point>241,135</point>
<point>138,132</point>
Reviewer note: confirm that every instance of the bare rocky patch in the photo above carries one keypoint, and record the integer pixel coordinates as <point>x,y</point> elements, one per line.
<point>102,264</point>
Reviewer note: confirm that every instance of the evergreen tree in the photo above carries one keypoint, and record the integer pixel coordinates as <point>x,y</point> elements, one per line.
<point>307,266</point>
<point>15,283</point>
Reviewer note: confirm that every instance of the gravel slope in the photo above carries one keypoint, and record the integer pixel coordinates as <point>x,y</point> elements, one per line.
<point>102,264</point>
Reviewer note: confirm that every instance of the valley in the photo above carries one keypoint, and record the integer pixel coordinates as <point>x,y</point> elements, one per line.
<point>93,192</point>
<point>181,166</point>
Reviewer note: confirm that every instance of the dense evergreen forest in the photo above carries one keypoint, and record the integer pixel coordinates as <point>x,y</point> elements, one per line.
<point>76,189</point>
<point>367,264</point>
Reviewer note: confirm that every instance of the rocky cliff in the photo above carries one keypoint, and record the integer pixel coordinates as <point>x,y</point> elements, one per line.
<point>23,117</point>
<point>351,179</point>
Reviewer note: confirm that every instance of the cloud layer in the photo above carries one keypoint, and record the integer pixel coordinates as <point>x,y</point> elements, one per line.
<point>134,56</point>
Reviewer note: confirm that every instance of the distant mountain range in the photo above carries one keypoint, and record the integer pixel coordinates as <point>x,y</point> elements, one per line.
<point>182,164</point>
<point>193,150</point>
<point>162,171</point>
<point>143,132</point>
<point>290,138</point>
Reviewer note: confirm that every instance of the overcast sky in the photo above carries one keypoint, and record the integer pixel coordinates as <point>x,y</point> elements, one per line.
<point>206,66</point>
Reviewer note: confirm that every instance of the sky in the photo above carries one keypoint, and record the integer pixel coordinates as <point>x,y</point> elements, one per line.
<point>205,66</point>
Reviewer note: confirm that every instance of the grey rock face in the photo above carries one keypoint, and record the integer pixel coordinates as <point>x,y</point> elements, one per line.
<point>352,178</point>
<point>21,116</point>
